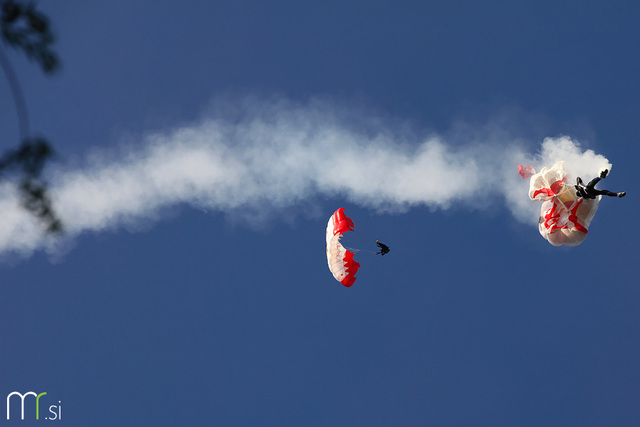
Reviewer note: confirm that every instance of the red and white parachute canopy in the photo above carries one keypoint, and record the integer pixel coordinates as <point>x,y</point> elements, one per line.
<point>340,260</point>
<point>564,216</point>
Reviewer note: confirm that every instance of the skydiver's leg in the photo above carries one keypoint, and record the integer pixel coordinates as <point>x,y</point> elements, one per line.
<point>609,193</point>
<point>592,184</point>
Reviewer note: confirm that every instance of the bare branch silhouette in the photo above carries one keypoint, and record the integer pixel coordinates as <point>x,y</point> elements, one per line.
<point>26,29</point>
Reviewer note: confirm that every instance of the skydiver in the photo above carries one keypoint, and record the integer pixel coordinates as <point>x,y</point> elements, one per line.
<point>590,191</point>
<point>384,249</point>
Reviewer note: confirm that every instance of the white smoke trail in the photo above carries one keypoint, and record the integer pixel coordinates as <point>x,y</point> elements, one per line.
<point>275,156</point>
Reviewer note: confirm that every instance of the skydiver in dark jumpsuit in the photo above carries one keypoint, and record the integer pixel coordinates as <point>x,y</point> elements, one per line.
<point>384,249</point>
<point>590,192</point>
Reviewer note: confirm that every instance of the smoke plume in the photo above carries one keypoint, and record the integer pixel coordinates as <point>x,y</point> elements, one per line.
<point>268,156</point>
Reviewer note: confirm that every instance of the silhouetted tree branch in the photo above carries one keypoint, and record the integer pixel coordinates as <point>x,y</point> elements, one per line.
<point>26,29</point>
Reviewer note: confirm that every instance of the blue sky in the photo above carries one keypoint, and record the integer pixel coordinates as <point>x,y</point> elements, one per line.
<point>201,149</point>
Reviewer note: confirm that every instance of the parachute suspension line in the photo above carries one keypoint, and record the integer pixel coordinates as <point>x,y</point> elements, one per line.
<point>18,96</point>
<point>361,239</point>
<point>359,250</point>
<point>368,239</point>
